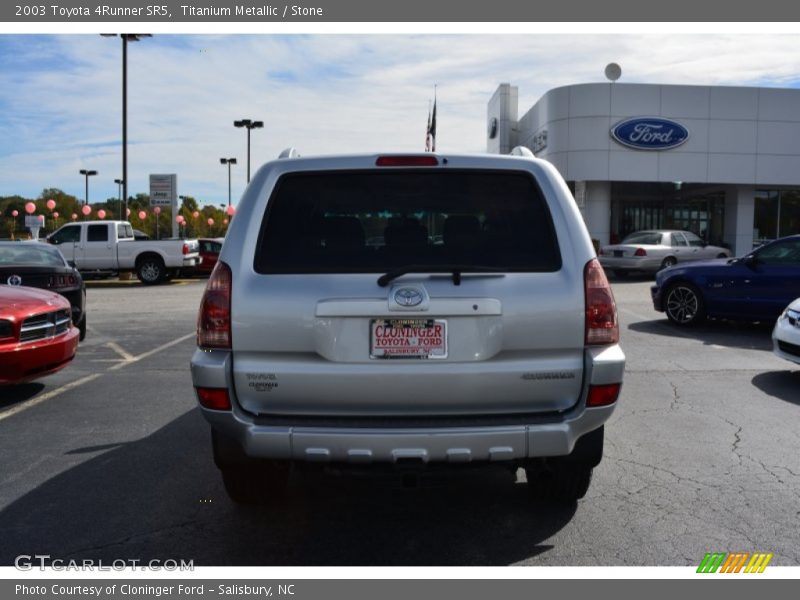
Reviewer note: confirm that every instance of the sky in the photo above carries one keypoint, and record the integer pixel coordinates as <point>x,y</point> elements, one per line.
<point>60,96</point>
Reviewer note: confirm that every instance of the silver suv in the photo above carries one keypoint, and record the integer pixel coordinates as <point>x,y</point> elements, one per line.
<point>407,310</point>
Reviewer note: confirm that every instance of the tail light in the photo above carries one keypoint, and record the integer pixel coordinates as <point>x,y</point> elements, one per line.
<point>186,249</point>
<point>214,319</point>
<point>62,281</point>
<point>640,252</point>
<point>214,398</point>
<point>602,252</point>
<point>407,161</point>
<point>601,310</point>
<point>603,395</point>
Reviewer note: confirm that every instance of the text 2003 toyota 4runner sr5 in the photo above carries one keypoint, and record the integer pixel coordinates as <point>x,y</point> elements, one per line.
<point>408,310</point>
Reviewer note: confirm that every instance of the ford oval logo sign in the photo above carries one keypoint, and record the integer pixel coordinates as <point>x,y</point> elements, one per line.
<point>649,133</point>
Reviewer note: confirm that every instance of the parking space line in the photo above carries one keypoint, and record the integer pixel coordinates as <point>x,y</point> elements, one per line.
<point>88,378</point>
<point>116,348</point>
<point>134,359</point>
<point>46,396</point>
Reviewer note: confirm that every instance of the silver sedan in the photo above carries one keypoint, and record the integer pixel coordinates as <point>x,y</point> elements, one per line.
<point>653,250</point>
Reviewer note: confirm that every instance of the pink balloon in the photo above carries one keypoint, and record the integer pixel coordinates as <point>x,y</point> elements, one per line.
<point>127,212</point>
<point>86,210</point>
<point>101,213</point>
<point>51,204</point>
<point>195,214</point>
<point>74,216</point>
<point>157,210</point>
<point>179,219</point>
<point>142,215</point>
<point>41,218</point>
<point>14,213</point>
<point>210,221</point>
<point>230,211</point>
<point>225,222</point>
<point>30,208</point>
<point>55,215</point>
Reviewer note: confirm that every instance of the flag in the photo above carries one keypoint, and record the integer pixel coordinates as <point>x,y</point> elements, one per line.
<point>428,130</point>
<point>432,127</point>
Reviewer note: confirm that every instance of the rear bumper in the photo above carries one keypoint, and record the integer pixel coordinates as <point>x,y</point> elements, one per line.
<point>25,362</point>
<point>555,436</point>
<point>646,264</point>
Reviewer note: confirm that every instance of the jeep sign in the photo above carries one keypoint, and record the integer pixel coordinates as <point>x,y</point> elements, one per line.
<point>649,133</point>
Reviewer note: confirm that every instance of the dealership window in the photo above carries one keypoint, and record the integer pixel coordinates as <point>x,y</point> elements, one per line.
<point>776,214</point>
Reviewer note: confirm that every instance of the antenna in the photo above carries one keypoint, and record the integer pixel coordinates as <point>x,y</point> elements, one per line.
<point>613,72</point>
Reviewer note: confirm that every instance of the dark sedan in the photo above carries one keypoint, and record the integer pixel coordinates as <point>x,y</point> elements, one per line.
<point>38,265</point>
<point>756,287</point>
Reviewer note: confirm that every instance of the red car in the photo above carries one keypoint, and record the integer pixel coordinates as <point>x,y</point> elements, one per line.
<point>209,252</point>
<point>37,336</point>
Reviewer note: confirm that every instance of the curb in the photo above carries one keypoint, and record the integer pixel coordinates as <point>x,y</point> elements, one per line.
<point>116,283</point>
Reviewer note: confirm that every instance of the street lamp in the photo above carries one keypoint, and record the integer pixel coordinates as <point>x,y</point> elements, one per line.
<point>123,214</point>
<point>249,125</point>
<point>126,37</point>
<point>229,162</point>
<point>87,173</point>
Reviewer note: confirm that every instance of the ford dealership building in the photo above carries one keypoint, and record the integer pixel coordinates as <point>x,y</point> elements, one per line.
<point>723,162</point>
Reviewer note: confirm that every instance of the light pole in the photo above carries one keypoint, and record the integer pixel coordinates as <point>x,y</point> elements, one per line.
<point>249,125</point>
<point>123,214</point>
<point>229,162</point>
<point>87,173</point>
<point>126,37</point>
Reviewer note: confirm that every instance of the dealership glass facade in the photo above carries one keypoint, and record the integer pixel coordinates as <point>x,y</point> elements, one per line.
<point>777,214</point>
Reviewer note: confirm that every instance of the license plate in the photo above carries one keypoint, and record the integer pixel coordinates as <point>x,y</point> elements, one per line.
<point>408,338</point>
<point>618,253</point>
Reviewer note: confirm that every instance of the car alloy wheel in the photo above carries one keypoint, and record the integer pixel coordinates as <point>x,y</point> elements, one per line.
<point>670,261</point>
<point>150,272</point>
<point>683,305</point>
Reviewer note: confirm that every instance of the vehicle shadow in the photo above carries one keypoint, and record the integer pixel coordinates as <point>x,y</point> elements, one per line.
<point>13,394</point>
<point>751,336</point>
<point>784,385</point>
<point>161,498</point>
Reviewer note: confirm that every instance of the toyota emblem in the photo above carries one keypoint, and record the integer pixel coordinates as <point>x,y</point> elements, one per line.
<point>408,297</point>
<point>14,280</point>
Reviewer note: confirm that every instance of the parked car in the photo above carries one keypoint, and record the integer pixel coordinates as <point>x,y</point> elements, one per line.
<point>786,333</point>
<point>110,246</point>
<point>498,345</point>
<point>140,236</point>
<point>37,336</point>
<point>41,266</point>
<point>756,287</point>
<point>209,252</point>
<point>651,251</point>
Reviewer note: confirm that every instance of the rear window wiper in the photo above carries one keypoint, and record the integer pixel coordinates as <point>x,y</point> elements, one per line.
<point>456,270</point>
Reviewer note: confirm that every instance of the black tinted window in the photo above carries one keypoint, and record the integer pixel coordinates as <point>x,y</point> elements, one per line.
<point>67,234</point>
<point>97,233</point>
<point>375,221</point>
<point>780,253</point>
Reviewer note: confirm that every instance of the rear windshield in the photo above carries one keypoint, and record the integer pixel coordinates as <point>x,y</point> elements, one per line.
<point>643,237</point>
<point>366,222</point>
<point>29,254</point>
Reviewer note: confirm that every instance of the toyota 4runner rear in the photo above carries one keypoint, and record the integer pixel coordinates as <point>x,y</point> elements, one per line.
<point>407,310</point>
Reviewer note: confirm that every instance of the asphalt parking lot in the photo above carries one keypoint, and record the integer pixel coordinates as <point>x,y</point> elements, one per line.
<point>110,459</point>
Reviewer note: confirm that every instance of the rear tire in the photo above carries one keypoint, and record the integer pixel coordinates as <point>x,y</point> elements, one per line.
<point>247,480</point>
<point>683,304</point>
<point>561,484</point>
<point>150,270</point>
<point>82,328</point>
<point>670,261</point>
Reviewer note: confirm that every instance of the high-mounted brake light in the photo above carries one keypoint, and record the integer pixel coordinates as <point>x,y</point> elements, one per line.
<point>214,319</point>
<point>601,310</point>
<point>407,161</point>
<point>640,252</point>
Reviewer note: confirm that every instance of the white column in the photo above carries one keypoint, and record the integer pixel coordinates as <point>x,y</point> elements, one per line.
<point>739,212</point>
<point>598,210</point>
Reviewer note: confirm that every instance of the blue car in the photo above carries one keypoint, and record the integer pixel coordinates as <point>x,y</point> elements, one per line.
<point>756,287</point>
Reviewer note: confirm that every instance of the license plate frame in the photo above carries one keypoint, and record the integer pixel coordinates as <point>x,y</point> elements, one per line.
<point>406,345</point>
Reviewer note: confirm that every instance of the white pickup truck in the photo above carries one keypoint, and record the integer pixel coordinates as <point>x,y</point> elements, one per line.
<point>108,246</point>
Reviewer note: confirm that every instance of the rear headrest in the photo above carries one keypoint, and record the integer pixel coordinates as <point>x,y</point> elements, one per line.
<point>343,233</point>
<point>461,230</point>
<point>408,233</point>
